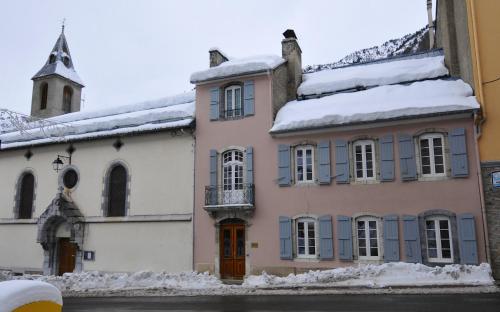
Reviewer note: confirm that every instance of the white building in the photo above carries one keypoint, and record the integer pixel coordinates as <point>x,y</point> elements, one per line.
<point>122,198</point>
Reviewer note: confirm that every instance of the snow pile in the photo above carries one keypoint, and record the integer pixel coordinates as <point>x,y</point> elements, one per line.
<point>376,104</point>
<point>375,74</point>
<point>166,113</point>
<point>384,275</point>
<point>14,294</point>
<point>240,66</point>
<point>94,280</point>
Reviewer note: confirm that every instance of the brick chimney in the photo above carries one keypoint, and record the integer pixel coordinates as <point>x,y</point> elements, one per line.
<point>291,52</point>
<point>216,57</point>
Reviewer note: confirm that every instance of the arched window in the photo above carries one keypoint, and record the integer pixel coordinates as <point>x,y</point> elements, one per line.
<point>25,209</point>
<point>232,176</point>
<point>44,91</point>
<point>67,95</point>
<point>52,58</point>
<point>439,239</point>
<point>117,191</point>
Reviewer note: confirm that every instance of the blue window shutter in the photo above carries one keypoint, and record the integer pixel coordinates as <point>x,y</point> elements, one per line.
<point>407,162</point>
<point>214,103</point>
<point>386,158</point>
<point>213,177</point>
<point>458,153</point>
<point>467,239</point>
<point>341,161</point>
<point>344,233</point>
<point>249,165</point>
<point>325,238</point>
<point>391,238</point>
<point>285,238</point>
<point>411,237</point>
<point>248,98</point>
<point>284,175</point>
<point>324,162</point>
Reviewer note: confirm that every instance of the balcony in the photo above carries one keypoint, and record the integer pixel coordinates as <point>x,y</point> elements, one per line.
<point>223,198</point>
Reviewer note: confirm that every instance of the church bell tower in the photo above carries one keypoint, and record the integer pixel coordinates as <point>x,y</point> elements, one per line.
<point>57,88</point>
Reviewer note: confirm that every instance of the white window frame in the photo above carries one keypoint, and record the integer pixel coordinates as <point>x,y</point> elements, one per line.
<point>234,165</point>
<point>304,180</point>
<point>430,138</point>
<point>367,238</point>
<point>363,144</point>
<point>233,88</point>
<point>437,230</point>
<point>306,255</point>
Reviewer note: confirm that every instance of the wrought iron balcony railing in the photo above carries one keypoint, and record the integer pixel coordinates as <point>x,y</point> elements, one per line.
<point>226,196</point>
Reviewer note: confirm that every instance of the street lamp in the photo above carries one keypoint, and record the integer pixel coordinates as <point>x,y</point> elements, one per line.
<point>57,164</point>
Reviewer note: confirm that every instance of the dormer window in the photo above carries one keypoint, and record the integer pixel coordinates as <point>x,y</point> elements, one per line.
<point>233,102</point>
<point>66,61</point>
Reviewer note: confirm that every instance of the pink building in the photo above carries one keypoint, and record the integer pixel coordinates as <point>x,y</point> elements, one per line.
<point>368,163</point>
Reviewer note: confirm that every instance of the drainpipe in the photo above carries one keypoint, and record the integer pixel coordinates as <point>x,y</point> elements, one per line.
<point>481,196</point>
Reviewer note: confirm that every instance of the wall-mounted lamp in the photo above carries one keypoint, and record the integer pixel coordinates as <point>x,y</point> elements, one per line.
<point>58,163</point>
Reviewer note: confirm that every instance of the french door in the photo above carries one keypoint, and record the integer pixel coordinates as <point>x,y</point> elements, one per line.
<point>232,251</point>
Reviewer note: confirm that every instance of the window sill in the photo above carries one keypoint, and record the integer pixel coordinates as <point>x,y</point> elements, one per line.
<point>433,178</point>
<point>365,182</point>
<point>305,184</point>
<point>369,261</point>
<point>304,259</point>
<point>440,261</point>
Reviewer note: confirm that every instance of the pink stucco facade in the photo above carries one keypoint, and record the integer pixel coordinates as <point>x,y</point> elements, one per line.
<point>459,195</point>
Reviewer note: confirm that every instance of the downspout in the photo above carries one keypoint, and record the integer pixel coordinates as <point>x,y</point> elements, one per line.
<point>481,196</point>
<point>479,120</point>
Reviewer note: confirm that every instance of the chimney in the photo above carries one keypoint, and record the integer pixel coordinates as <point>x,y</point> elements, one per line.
<point>216,57</point>
<point>291,52</point>
<point>431,24</point>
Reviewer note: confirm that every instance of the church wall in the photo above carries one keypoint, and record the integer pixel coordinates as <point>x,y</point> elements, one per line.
<point>19,250</point>
<point>160,169</point>
<point>137,246</point>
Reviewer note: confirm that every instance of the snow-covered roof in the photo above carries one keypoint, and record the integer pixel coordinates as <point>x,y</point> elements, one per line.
<point>166,113</point>
<point>373,74</point>
<point>422,98</point>
<point>240,66</point>
<point>55,64</point>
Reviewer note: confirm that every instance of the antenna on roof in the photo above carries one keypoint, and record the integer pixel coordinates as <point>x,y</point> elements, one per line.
<point>62,25</point>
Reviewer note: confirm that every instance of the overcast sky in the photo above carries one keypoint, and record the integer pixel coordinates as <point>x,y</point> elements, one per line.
<point>132,51</point>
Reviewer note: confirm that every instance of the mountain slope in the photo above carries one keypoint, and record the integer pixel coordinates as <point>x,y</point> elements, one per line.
<point>411,43</point>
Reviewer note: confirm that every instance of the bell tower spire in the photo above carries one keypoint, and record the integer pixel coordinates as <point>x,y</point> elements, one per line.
<point>57,87</point>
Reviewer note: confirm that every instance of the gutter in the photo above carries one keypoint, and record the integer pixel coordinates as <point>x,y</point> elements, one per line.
<point>330,127</point>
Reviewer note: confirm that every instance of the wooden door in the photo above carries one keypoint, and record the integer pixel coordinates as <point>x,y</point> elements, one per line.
<point>67,255</point>
<point>232,251</point>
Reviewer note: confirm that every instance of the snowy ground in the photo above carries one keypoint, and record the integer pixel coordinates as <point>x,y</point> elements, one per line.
<point>385,278</point>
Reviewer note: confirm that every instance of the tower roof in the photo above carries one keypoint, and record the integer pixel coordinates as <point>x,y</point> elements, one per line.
<point>59,62</point>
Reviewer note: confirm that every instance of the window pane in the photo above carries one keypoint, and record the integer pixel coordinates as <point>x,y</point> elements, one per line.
<point>372,224</point>
<point>432,243</point>
<point>362,242</point>
<point>302,250</point>
<point>240,243</point>
<point>432,253</point>
<point>446,253</point>
<point>374,252</point>
<point>312,250</point>
<point>429,224</point>
<point>445,234</point>
<point>439,169</point>
<point>445,244</point>
<point>229,103</point>
<point>373,242</point>
<point>237,102</point>
<point>362,252</point>
<point>369,173</point>
<point>227,243</point>
<point>443,224</point>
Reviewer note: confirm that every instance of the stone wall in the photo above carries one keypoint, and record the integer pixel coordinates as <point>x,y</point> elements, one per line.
<point>492,203</point>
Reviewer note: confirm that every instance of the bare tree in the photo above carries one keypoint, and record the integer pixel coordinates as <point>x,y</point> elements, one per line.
<point>29,126</point>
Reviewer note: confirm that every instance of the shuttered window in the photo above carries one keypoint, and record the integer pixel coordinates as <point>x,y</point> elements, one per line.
<point>26,196</point>
<point>304,164</point>
<point>306,238</point>
<point>364,160</point>
<point>432,155</point>
<point>368,238</point>
<point>439,240</point>
<point>117,191</point>
<point>233,102</point>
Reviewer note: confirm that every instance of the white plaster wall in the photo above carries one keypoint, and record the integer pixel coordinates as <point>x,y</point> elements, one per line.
<point>135,246</point>
<point>161,170</point>
<point>18,247</point>
<point>160,165</point>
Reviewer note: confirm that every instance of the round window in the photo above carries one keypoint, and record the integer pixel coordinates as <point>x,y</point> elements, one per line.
<point>70,178</point>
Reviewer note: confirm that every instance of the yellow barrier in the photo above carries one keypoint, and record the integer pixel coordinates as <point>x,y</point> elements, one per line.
<point>29,296</point>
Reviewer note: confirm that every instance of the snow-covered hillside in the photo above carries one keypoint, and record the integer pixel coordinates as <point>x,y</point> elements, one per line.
<point>411,43</point>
